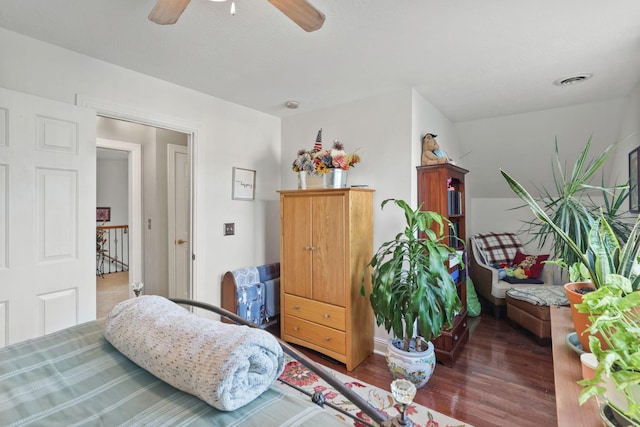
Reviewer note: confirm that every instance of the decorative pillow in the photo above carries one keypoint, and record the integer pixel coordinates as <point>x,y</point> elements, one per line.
<point>531,264</point>
<point>498,248</point>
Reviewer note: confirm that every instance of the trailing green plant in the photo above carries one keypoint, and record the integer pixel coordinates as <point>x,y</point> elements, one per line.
<point>571,207</point>
<point>410,280</point>
<point>615,314</point>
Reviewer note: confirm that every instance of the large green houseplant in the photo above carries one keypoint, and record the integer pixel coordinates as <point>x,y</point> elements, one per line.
<point>570,205</point>
<point>609,260</point>
<point>410,281</point>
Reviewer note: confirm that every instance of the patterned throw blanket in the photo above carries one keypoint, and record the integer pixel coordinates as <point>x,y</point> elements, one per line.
<point>225,365</point>
<point>540,295</point>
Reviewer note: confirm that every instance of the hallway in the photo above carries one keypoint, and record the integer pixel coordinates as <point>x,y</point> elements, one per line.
<point>110,289</point>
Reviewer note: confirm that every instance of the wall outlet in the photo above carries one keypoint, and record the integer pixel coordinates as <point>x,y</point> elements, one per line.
<point>229,229</point>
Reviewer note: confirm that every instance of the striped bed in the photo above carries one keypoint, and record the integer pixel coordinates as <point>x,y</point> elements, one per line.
<point>76,377</point>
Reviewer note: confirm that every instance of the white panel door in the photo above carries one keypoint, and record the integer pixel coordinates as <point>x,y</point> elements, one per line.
<point>47,214</point>
<point>178,177</point>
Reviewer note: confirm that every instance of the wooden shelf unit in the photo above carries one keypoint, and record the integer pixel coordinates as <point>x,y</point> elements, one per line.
<point>441,190</point>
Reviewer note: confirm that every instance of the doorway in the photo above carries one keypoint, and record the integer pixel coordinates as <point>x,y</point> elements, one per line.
<point>148,201</point>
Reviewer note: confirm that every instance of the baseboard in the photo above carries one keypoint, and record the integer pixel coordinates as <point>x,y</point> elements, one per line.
<point>380,346</point>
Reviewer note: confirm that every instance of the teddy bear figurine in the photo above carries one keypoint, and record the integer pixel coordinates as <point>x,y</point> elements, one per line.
<point>431,153</point>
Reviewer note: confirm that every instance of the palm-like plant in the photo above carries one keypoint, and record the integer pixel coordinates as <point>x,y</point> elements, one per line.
<point>411,283</point>
<point>603,255</point>
<point>609,257</point>
<point>572,209</point>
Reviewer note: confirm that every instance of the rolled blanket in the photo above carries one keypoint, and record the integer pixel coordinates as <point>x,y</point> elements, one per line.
<point>225,365</point>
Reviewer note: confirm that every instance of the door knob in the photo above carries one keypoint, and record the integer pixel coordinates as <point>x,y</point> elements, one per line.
<point>180,241</point>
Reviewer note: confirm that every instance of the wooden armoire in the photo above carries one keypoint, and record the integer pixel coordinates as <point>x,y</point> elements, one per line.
<point>326,241</point>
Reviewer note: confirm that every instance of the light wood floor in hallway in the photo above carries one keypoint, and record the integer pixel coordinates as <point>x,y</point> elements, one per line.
<point>111,289</point>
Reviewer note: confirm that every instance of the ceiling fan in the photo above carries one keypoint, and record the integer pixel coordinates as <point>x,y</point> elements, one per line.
<point>299,11</point>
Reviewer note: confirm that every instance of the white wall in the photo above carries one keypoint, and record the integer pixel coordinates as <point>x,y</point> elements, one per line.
<point>428,119</point>
<point>491,142</point>
<point>227,135</point>
<point>386,130</point>
<point>629,134</point>
<point>112,189</point>
<point>379,129</point>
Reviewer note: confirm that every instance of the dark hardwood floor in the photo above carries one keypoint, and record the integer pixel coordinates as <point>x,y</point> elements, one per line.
<point>502,378</point>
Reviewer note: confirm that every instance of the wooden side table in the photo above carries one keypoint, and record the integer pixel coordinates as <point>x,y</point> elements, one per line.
<point>566,371</point>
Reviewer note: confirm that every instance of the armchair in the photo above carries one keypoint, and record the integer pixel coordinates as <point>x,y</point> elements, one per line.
<point>498,248</point>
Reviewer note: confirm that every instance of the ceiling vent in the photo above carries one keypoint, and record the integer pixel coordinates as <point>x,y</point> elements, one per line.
<point>573,80</point>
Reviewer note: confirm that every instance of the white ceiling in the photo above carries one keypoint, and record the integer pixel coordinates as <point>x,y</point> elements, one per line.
<point>470,58</point>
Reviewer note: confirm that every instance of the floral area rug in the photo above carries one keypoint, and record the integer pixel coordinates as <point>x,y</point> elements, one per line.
<point>297,374</point>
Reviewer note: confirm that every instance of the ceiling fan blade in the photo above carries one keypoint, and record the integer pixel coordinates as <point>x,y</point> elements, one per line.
<point>168,11</point>
<point>301,12</point>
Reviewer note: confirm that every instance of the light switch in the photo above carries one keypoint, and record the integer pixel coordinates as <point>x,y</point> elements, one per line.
<point>229,229</point>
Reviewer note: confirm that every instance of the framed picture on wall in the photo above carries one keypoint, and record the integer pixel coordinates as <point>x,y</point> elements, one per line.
<point>244,184</point>
<point>634,190</point>
<point>103,214</point>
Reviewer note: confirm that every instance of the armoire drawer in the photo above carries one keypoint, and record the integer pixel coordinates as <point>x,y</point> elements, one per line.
<point>322,336</point>
<point>315,311</point>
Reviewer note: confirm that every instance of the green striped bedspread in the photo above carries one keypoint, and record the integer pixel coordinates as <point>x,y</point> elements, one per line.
<point>75,377</point>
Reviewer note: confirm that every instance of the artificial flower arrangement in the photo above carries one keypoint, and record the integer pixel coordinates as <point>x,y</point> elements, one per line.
<point>317,161</point>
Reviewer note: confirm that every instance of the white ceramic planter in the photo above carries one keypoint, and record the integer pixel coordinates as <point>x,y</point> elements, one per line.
<point>413,366</point>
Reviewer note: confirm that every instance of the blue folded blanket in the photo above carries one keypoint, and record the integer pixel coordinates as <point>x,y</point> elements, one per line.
<point>225,365</point>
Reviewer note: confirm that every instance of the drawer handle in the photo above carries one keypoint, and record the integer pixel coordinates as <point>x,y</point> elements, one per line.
<point>326,316</point>
<point>455,338</point>
<point>296,328</point>
<point>307,248</point>
<point>327,339</point>
<point>464,325</point>
<point>296,307</point>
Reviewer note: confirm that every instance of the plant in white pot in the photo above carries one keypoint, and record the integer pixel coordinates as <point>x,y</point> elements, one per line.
<point>412,290</point>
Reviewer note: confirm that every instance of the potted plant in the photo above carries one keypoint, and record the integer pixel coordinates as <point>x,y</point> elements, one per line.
<point>571,208</point>
<point>615,311</point>
<point>611,265</point>
<point>571,219</point>
<point>603,255</point>
<point>332,164</point>
<point>412,290</point>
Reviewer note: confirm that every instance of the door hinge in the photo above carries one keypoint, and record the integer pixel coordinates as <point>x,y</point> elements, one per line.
<point>193,257</point>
